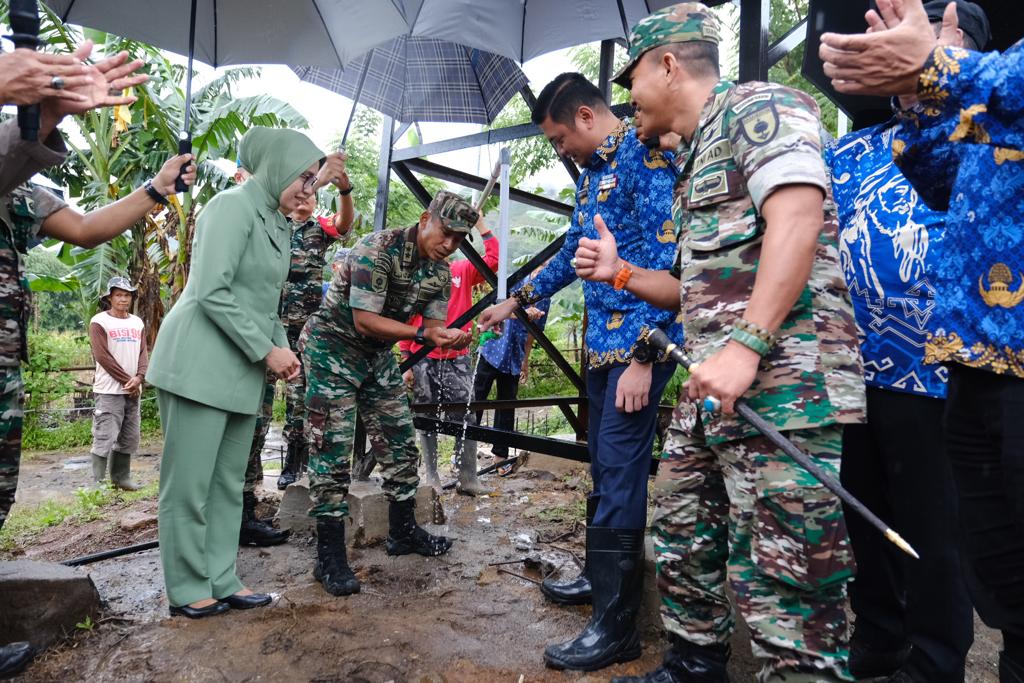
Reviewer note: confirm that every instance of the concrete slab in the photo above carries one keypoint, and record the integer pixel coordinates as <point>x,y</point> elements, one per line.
<point>368,511</point>
<point>41,601</point>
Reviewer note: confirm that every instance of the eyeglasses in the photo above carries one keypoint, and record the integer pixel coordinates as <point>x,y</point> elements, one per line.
<point>308,181</point>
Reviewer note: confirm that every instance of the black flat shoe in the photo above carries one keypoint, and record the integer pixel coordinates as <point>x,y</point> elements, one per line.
<point>247,601</point>
<point>199,612</point>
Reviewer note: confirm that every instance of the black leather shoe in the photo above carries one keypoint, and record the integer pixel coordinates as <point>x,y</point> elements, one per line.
<point>199,612</point>
<point>247,601</point>
<point>405,536</point>
<point>14,657</point>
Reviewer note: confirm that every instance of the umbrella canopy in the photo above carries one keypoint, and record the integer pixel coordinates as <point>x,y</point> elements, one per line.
<point>326,33</point>
<point>523,29</point>
<point>423,79</point>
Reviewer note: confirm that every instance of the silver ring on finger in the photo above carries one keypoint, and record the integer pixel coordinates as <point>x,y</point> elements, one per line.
<point>57,83</point>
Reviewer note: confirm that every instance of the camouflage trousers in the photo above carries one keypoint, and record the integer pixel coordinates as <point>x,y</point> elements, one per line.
<point>295,395</point>
<point>331,401</point>
<point>12,413</point>
<point>254,470</point>
<point>743,512</point>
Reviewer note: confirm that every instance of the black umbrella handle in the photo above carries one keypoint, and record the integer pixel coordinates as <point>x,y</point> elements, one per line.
<point>184,147</point>
<point>24,18</point>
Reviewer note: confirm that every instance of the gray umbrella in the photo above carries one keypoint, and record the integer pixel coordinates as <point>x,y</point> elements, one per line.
<point>523,29</point>
<point>423,79</point>
<point>323,32</point>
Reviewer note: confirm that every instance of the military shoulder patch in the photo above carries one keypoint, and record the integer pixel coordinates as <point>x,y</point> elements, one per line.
<point>760,126</point>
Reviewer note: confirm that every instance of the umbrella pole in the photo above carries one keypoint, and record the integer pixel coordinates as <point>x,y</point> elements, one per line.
<point>505,159</point>
<point>355,100</point>
<point>185,137</point>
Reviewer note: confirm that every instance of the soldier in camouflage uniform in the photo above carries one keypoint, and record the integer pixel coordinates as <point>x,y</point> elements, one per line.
<point>346,346</point>
<point>768,317</point>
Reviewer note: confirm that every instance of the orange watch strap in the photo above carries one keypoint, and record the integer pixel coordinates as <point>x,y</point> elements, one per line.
<point>622,277</point>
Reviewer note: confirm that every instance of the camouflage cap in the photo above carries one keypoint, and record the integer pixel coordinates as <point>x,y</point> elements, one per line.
<point>455,212</point>
<point>118,282</point>
<point>682,23</point>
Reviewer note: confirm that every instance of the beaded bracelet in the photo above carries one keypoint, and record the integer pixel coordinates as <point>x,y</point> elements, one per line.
<point>756,330</point>
<point>755,344</point>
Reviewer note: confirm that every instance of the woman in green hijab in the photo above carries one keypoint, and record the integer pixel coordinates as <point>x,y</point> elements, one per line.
<point>209,363</point>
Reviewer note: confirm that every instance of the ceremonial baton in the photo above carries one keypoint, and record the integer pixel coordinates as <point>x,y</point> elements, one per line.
<point>660,340</point>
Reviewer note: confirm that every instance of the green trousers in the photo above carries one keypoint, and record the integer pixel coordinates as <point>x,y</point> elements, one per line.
<point>201,477</point>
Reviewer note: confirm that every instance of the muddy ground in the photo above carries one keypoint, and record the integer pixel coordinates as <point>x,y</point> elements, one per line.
<point>453,618</point>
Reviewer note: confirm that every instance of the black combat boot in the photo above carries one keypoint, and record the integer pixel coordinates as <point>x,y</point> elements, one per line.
<point>616,568</point>
<point>14,657</point>
<point>687,663</point>
<point>575,591</point>
<point>332,568</point>
<point>255,531</point>
<point>870,659</point>
<point>406,536</point>
<point>294,462</point>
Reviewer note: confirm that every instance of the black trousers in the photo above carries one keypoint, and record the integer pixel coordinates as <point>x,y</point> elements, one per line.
<point>896,464</point>
<point>508,388</point>
<point>985,440</point>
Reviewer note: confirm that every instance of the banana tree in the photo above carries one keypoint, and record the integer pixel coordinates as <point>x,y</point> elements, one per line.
<point>118,150</point>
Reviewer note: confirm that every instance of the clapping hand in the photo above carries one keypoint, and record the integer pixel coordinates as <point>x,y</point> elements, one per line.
<point>106,79</point>
<point>28,77</point>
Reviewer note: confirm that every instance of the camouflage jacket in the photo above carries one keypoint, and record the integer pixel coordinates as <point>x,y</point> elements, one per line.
<point>21,216</point>
<point>303,291</point>
<point>384,274</point>
<point>753,139</point>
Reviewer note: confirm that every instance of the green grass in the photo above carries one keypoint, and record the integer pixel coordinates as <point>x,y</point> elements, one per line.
<point>564,513</point>
<point>25,523</point>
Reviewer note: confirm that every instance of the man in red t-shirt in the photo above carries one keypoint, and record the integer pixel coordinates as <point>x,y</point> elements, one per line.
<point>447,377</point>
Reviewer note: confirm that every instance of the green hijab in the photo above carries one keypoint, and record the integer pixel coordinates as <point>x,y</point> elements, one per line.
<point>274,157</point>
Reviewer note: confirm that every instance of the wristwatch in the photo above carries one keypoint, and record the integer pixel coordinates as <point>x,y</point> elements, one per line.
<point>347,191</point>
<point>642,352</point>
<point>419,338</point>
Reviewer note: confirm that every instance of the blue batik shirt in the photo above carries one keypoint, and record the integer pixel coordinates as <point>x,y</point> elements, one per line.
<point>630,186</point>
<point>888,239</point>
<point>963,150</point>
<point>507,351</point>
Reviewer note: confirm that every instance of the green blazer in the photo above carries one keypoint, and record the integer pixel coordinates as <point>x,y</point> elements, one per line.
<point>211,345</point>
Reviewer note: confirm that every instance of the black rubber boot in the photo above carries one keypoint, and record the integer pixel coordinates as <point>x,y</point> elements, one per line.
<point>406,536</point>
<point>294,462</point>
<point>332,568</point>
<point>255,531</point>
<point>616,570</point>
<point>575,591</point>
<point>1010,670</point>
<point>687,663</point>
<point>14,657</point>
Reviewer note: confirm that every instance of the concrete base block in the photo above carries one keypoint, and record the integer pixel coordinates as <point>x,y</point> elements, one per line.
<point>41,601</point>
<point>368,511</point>
<point>293,513</point>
